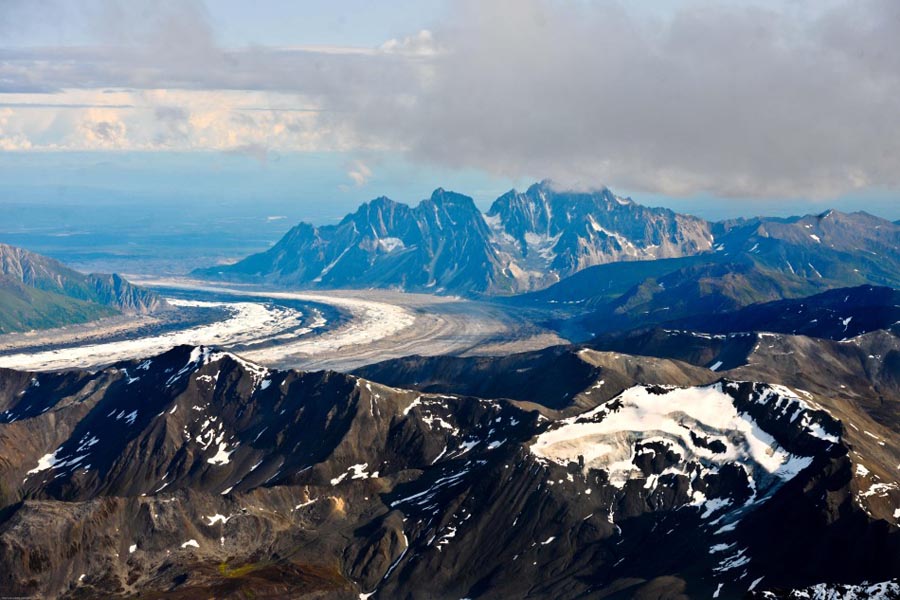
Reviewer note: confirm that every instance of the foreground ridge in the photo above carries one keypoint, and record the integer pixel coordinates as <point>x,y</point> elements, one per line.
<point>198,471</point>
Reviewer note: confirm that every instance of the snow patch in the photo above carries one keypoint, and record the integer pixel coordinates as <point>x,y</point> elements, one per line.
<point>390,244</point>
<point>610,436</point>
<point>217,518</point>
<point>222,455</point>
<point>47,461</point>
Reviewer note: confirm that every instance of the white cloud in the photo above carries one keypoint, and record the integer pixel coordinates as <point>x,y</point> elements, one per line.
<point>729,99</point>
<point>177,120</point>
<point>420,44</point>
<point>10,138</point>
<point>359,173</point>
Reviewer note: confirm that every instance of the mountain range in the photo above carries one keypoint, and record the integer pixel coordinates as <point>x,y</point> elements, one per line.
<point>37,292</point>
<point>583,247</point>
<point>446,245</point>
<point>725,426</point>
<point>196,474</point>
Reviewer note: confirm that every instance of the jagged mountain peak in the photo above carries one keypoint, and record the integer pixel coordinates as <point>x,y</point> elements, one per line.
<point>441,244</point>
<point>446,198</point>
<point>381,203</point>
<point>546,190</point>
<point>446,244</point>
<point>563,232</point>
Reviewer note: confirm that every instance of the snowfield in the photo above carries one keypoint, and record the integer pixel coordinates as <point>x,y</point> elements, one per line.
<point>610,436</point>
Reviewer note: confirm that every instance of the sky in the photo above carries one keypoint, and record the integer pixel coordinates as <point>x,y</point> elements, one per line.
<point>716,108</point>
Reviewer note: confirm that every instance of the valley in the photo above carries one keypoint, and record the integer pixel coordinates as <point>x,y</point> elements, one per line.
<point>339,330</point>
<point>569,396</point>
<point>479,300</point>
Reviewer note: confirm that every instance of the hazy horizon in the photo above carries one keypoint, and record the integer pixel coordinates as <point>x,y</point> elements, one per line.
<point>310,186</point>
<point>750,108</point>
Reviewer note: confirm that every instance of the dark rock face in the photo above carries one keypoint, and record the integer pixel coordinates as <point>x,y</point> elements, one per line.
<point>516,377</point>
<point>836,314</point>
<point>727,337</point>
<point>742,296</point>
<point>561,378</point>
<point>196,474</point>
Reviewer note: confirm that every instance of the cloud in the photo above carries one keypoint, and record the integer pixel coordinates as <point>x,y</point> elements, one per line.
<point>103,128</point>
<point>10,139</point>
<point>359,173</point>
<point>169,120</point>
<point>420,44</point>
<point>724,99</point>
<point>730,99</point>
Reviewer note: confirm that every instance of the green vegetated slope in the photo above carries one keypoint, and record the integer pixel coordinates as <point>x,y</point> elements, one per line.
<point>37,292</point>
